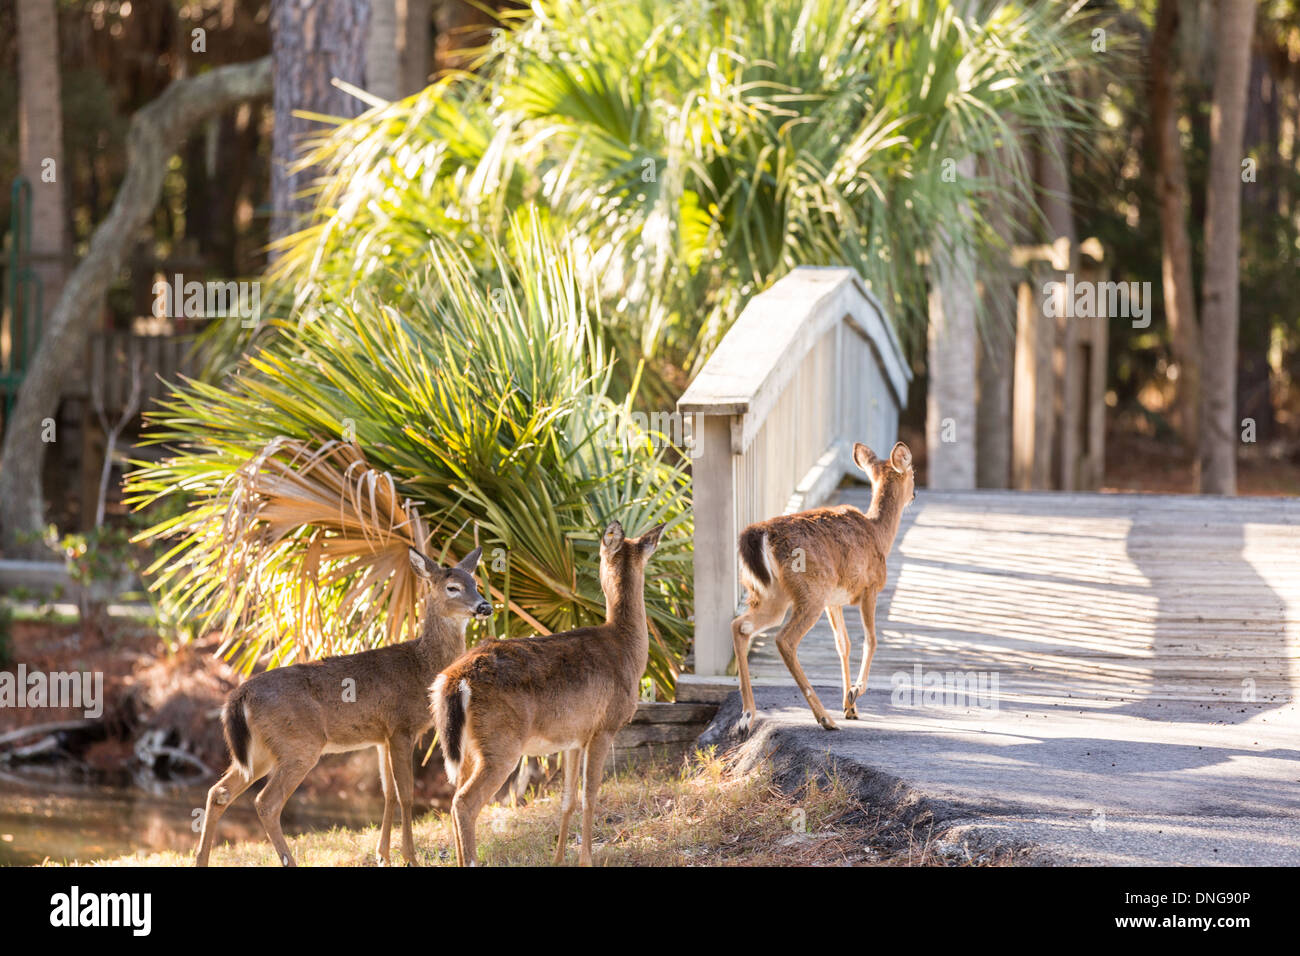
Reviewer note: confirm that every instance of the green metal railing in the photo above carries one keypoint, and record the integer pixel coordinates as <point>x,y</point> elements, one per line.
<point>25,295</point>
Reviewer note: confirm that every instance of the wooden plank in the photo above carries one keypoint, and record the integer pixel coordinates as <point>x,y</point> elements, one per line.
<point>658,712</point>
<point>715,545</point>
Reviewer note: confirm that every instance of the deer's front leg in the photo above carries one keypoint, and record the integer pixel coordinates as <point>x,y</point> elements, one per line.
<point>593,768</point>
<point>568,799</point>
<point>842,646</point>
<point>399,748</point>
<point>867,607</point>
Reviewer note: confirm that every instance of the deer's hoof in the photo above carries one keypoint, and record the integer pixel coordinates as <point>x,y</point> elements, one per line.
<point>827,723</point>
<point>850,712</point>
<point>745,723</point>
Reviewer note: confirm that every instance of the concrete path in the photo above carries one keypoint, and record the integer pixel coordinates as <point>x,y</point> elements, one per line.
<point>1110,678</point>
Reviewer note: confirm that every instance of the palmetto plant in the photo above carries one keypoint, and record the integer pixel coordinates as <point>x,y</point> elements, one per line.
<point>698,151</point>
<point>432,347</point>
<point>477,415</point>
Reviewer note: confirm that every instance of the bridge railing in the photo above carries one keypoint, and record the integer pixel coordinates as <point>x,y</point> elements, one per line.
<point>811,366</point>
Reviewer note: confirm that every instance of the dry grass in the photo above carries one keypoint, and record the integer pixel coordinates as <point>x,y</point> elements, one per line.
<point>701,814</point>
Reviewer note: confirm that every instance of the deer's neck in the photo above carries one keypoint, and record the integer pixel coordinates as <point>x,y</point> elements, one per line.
<point>625,612</point>
<point>441,640</point>
<point>887,510</point>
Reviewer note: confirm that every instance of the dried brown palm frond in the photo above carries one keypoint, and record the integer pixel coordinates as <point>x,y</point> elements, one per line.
<point>311,549</point>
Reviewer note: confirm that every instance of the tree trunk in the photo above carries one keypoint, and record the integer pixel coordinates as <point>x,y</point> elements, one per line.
<point>1260,213</point>
<point>382,59</point>
<point>996,364</point>
<point>1221,297</point>
<point>40,144</point>
<point>157,131</point>
<point>1057,202</point>
<point>950,422</point>
<point>1175,246</point>
<point>415,33</point>
<point>311,44</point>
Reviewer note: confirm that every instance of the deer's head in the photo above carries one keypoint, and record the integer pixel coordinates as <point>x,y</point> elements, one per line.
<point>453,591</point>
<point>623,559</point>
<point>888,474</point>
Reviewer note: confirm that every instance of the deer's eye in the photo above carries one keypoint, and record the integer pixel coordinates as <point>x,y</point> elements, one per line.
<point>453,589</point>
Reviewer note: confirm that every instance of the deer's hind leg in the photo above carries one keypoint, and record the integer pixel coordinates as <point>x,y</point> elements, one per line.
<point>222,794</point>
<point>787,642</point>
<point>842,646</point>
<point>284,780</point>
<point>490,772</point>
<point>762,613</point>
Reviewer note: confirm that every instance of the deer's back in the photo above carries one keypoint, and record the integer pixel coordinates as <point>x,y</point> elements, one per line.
<point>552,691</point>
<point>350,701</point>
<point>837,549</point>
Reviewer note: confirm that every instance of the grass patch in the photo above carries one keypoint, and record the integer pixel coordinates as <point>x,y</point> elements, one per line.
<point>700,813</point>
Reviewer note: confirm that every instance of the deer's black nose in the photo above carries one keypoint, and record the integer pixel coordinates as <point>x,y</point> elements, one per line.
<point>483,609</point>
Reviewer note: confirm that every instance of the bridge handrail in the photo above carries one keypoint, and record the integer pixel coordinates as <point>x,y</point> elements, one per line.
<point>810,366</point>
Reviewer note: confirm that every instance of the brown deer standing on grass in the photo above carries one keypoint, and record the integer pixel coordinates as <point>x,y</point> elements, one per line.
<point>821,560</point>
<point>281,721</point>
<point>567,692</point>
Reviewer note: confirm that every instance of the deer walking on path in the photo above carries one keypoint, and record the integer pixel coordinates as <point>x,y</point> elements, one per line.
<point>821,560</point>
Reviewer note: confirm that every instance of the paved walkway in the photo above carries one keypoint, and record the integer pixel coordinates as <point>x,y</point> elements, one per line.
<point>1133,665</point>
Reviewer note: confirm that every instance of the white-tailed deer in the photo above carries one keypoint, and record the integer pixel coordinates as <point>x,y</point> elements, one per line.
<point>821,560</point>
<point>567,692</point>
<point>282,720</point>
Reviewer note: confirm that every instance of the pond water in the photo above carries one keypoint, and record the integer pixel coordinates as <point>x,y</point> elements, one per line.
<point>68,821</point>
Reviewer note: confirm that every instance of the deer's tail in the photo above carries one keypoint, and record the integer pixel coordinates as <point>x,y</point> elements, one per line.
<point>754,558</point>
<point>449,706</point>
<point>234,724</point>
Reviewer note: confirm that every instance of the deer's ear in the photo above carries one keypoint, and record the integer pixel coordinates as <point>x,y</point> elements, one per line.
<point>613,538</point>
<point>865,459</point>
<point>421,564</point>
<point>470,561</point>
<point>901,458</point>
<point>650,539</point>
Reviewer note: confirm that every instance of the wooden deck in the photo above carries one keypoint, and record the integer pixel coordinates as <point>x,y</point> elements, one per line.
<point>1114,601</point>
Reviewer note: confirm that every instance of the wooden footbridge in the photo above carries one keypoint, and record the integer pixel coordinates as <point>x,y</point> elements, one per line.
<point>1100,598</point>
<point>1107,678</point>
<point>1104,600</point>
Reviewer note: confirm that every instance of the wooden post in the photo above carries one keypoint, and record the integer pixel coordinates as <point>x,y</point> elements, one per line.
<point>1033,394</point>
<point>716,583</point>
<point>996,368</point>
